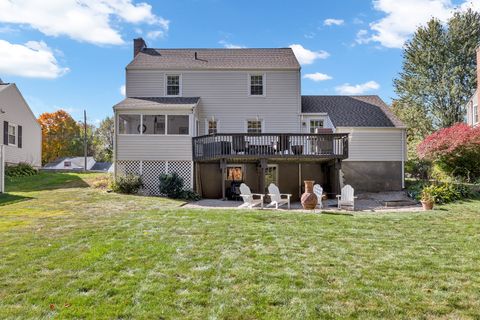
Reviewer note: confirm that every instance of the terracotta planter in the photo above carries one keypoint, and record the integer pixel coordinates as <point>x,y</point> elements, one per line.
<point>309,199</point>
<point>427,205</point>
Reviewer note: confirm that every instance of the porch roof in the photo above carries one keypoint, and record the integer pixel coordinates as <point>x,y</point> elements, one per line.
<point>169,103</point>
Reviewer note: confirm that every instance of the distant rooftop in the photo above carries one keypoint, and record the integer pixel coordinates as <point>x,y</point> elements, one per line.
<point>235,59</point>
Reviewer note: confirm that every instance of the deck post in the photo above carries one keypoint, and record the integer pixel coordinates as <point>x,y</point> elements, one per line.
<point>337,166</point>
<point>263,170</point>
<point>223,166</point>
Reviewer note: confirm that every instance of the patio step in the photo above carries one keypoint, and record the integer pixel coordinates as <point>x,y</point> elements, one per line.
<point>399,203</point>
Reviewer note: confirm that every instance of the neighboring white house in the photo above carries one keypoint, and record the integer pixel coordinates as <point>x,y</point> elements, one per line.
<point>78,163</point>
<point>21,133</point>
<point>473,118</point>
<point>220,116</point>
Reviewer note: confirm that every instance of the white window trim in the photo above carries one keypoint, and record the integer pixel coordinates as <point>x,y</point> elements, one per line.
<point>206,125</point>
<point>16,134</point>
<point>264,83</point>
<point>180,91</point>
<point>261,120</point>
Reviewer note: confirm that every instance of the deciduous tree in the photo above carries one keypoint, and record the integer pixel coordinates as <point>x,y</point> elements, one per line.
<point>103,142</point>
<point>439,70</point>
<point>60,136</point>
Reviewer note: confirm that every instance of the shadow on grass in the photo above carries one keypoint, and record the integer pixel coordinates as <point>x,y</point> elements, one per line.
<point>334,213</point>
<point>6,199</point>
<point>45,181</point>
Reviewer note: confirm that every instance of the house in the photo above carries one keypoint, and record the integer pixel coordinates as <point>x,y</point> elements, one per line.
<point>21,133</point>
<point>78,163</point>
<point>218,117</point>
<point>472,104</point>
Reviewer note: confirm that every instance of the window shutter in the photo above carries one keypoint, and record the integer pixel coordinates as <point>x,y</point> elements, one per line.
<point>5,133</point>
<point>19,144</point>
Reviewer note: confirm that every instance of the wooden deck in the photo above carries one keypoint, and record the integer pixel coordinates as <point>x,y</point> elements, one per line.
<point>295,146</point>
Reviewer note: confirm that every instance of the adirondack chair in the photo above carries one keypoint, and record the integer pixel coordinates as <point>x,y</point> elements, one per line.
<point>277,198</point>
<point>250,199</point>
<point>347,197</point>
<point>318,190</point>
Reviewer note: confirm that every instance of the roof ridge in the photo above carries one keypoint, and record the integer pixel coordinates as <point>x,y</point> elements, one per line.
<point>261,48</point>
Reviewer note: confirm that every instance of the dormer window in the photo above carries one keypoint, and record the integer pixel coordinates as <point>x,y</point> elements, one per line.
<point>257,82</point>
<point>173,85</point>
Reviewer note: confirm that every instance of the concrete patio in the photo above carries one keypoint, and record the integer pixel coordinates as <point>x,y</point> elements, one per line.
<point>366,202</point>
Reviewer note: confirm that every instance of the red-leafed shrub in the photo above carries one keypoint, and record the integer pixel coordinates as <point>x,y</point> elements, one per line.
<point>456,150</point>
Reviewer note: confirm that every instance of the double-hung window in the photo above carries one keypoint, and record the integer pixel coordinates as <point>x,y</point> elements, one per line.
<point>254,126</point>
<point>12,134</point>
<point>257,82</point>
<point>173,85</point>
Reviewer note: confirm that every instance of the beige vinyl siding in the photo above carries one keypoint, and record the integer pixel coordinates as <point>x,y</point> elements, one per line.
<point>370,144</point>
<point>18,112</point>
<point>145,83</point>
<point>154,147</point>
<point>225,96</point>
<point>149,147</point>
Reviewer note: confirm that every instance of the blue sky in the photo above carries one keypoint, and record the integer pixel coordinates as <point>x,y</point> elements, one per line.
<point>71,54</point>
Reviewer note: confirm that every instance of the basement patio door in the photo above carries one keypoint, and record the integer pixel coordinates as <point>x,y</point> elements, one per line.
<point>271,176</point>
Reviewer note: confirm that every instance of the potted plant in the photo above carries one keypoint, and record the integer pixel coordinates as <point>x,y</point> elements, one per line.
<point>427,198</point>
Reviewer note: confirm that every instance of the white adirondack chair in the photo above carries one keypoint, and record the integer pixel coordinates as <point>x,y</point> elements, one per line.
<point>250,199</point>
<point>318,190</point>
<point>277,198</point>
<point>347,197</point>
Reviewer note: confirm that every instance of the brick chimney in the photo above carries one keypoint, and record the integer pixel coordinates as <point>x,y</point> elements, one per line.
<point>138,45</point>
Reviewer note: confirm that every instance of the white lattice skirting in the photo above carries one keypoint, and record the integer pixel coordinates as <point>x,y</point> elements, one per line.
<point>151,171</point>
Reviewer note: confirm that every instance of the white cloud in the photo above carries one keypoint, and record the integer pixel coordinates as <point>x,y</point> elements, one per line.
<point>306,56</point>
<point>403,17</point>
<point>362,37</point>
<point>349,89</point>
<point>33,59</point>
<point>317,76</point>
<point>82,20</point>
<point>156,34</point>
<point>229,45</point>
<point>123,90</point>
<point>333,22</point>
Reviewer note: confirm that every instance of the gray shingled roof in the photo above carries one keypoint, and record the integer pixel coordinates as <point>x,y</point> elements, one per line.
<point>352,111</point>
<point>101,166</point>
<point>246,59</point>
<point>159,102</point>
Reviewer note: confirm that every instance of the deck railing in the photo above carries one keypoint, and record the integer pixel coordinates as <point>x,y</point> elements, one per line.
<point>270,145</point>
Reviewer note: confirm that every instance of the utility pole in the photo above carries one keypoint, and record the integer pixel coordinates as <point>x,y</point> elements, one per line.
<point>85,138</point>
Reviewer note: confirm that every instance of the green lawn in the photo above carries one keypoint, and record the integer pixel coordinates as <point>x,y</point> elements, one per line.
<point>70,251</point>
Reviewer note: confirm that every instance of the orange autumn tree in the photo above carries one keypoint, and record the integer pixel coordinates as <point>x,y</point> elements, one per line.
<point>60,136</point>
